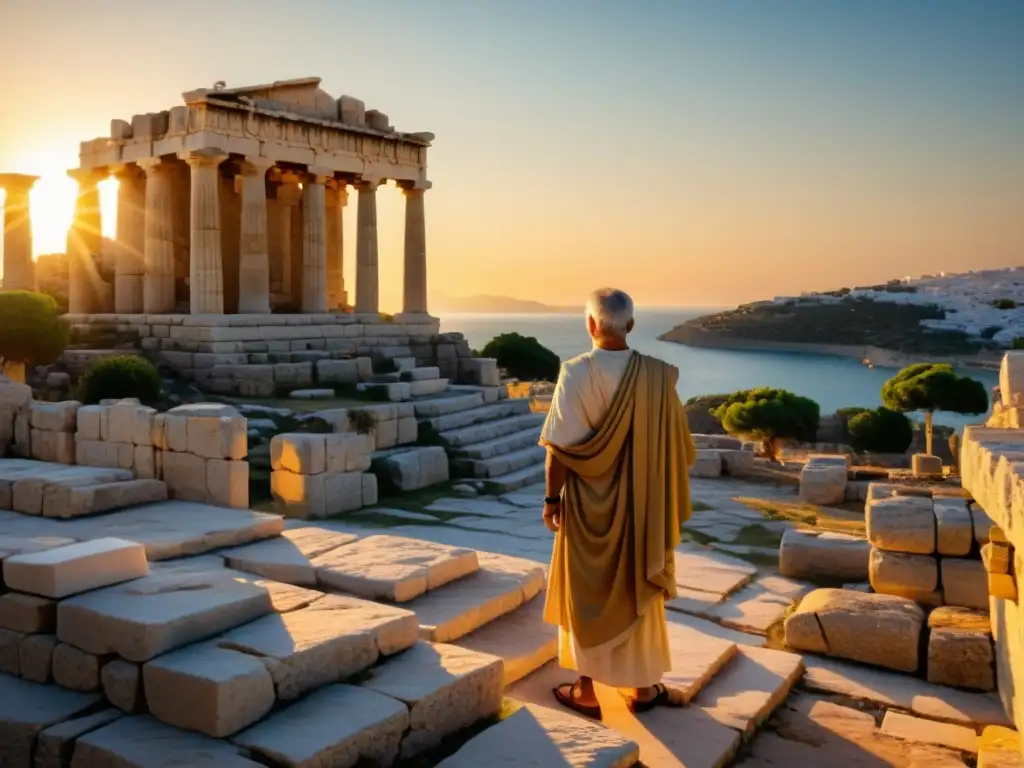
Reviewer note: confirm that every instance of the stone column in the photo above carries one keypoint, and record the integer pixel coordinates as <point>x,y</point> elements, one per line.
<point>314,243</point>
<point>279,232</point>
<point>206,271</point>
<point>337,198</point>
<point>86,288</point>
<point>158,237</point>
<point>415,281</point>
<point>19,267</point>
<point>129,267</point>
<point>254,260</point>
<point>294,267</point>
<point>367,286</point>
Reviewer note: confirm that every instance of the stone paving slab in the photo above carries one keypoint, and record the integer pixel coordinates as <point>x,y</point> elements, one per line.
<point>500,586</point>
<point>28,708</point>
<point>811,731</point>
<point>890,689</point>
<point>288,557</point>
<point>521,639</point>
<point>141,741</point>
<point>759,605</point>
<point>142,619</point>
<point>668,737</point>
<point>335,726</point>
<point>710,571</point>
<point>481,506</point>
<point>694,601</point>
<point>446,689</point>
<point>29,489</point>
<point>696,658</point>
<point>167,529</point>
<point>482,541</point>
<point>716,630</point>
<point>393,567</point>
<point>66,501</point>
<point>76,568</point>
<point>516,524</point>
<point>755,682</point>
<point>540,737</point>
<point>924,731</point>
<point>325,643</point>
<point>208,689</point>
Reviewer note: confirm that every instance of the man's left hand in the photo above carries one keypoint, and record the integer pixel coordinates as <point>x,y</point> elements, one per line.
<point>553,517</point>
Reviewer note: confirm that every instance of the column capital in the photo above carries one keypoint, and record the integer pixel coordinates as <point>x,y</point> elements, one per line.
<point>254,165</point>
<point>368,185</point>
<point>318,174</point>
<point>17,182</point>
<point>203,158</point>
<point>152,165</point>
<point>415,187</point>
<point>88,175</point>
<point>127,170</point>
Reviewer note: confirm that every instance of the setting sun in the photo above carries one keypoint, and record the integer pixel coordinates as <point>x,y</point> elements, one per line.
<point>53,205</point>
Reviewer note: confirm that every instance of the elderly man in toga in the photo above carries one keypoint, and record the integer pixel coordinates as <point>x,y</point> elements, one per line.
<point>617,491</point>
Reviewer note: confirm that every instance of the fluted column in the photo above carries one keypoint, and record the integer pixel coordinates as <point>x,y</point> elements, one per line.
<point>254,260</point>
<point>414,288</point>
<point>129,267</point>
<point>86,288</point>
<point>206,270</point>
<point>19,267</point>
<point>367,285</point>
<point>337,198</point>
<point>158,237</point>
<point>314,243</point>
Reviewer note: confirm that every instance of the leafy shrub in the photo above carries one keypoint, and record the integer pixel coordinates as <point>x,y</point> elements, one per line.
<point>851,410</point>
<point>881,430</point>
<point>523,357</point>
<point>120,377</point>
<point>362,421</point>
<point>1018,343</point>
<point>931,387</point>
<point>31,330</point>
<point>769,414</point>
<point>1004,304</point>
<point>989,332</point>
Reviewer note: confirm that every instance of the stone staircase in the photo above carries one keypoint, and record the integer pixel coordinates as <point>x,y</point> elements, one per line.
<point>488,439</point>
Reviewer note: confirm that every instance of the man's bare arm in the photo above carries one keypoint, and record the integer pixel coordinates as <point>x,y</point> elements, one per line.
<point>554,476</point>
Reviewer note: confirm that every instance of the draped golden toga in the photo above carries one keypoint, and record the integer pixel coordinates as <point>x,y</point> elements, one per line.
<point>626,495</point>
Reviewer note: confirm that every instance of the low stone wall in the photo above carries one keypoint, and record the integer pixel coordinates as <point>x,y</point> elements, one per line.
<point>927,549</point>
<point>319,475</point>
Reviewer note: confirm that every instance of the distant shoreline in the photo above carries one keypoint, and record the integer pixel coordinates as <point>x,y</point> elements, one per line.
<point>879,357</point>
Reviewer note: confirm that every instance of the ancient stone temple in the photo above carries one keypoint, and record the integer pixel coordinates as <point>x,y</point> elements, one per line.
<point>231,204</point>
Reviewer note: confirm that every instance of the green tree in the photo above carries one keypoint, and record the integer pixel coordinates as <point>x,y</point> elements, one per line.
<point>931,387</point>
<point>31,331</point>
<point>769,415</point>
<point>523,357</point>
<point>881,430</point>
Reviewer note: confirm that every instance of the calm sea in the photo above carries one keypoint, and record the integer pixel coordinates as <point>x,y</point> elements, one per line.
<point>833,382</point>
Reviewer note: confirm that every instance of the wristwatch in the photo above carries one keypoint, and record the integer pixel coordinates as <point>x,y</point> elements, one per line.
<point>552,499</point>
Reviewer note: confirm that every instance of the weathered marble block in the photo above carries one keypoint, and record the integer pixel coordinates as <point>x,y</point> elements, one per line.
<point>76,568</point>
<point>915,577</point>
<point>960,649</point>
<point>902,524</point>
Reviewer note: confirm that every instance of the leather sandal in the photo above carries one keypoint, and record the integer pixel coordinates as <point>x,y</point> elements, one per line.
<point>660,700</point>
<point>567,694</point>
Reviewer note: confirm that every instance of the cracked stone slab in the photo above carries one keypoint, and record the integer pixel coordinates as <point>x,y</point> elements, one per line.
<point>446,689</point>
<point>28,708</point>
<point>889,689</point>
<point>535,737</point>
<point>500,586</point>
<point>129,741</point>
<point>56,744</point>
<point>917,729</point>
<point>339,725</point>
<point>287,557</point>
<point>521,639</point>
<point>746,692</point>
<point>759,605</point>
<point>142,619</point>
<point>393,567</point>
<point>325,643</point>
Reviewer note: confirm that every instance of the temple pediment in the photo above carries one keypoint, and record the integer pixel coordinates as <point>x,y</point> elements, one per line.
<point>302,96</point>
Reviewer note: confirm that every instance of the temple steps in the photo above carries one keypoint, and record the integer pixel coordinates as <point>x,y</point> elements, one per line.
<point>521,478</point>
<point>501,464</point>
<point>476,440</point>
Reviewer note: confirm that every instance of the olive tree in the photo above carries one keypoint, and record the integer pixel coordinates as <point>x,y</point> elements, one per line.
<point>523,357</point>
<point>770,415</point>
<point>931,387</point>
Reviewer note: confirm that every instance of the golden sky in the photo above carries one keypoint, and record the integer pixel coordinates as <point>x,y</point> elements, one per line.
<point>687,153</point>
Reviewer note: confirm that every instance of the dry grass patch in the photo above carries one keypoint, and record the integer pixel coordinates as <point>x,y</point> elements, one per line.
<point>808,515</point>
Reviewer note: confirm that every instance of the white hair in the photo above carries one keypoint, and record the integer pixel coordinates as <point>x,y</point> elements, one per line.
<point>611,309</point>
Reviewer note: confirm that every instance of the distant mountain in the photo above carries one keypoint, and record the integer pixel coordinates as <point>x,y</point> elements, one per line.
<point>441,303</point>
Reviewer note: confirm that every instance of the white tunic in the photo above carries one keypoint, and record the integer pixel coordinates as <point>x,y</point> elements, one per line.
<point>638,659</point>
